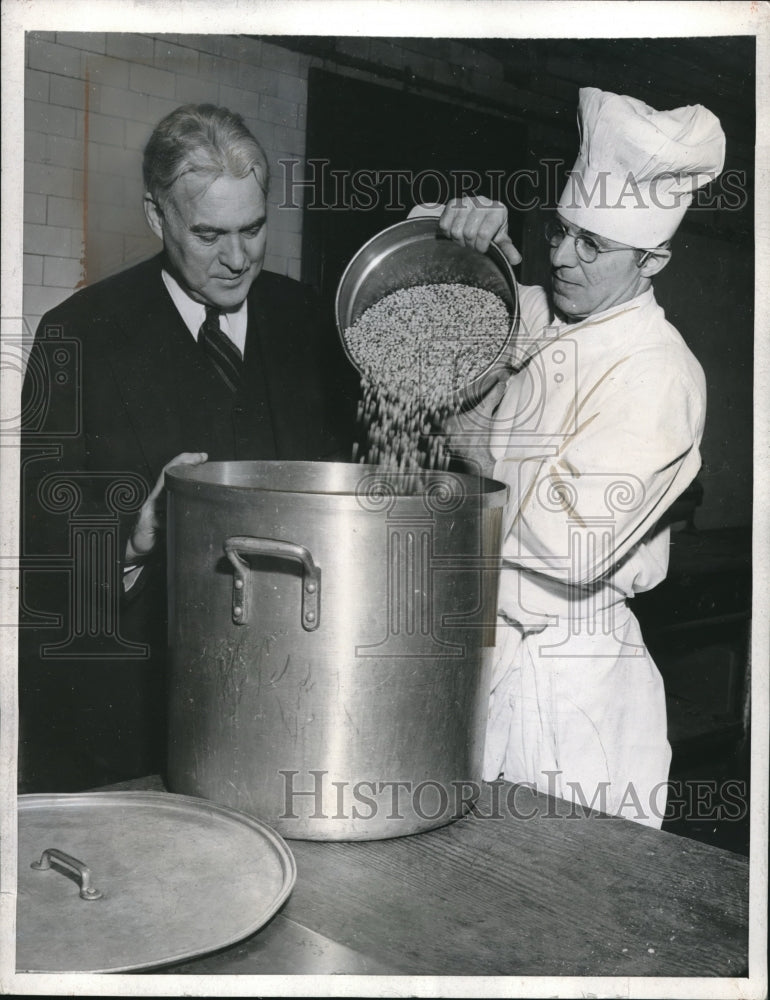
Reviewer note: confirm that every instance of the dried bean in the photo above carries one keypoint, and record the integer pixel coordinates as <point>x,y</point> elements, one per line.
<point>416,349</point>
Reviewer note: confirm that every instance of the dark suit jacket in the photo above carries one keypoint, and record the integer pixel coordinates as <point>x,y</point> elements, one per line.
<point>115,387</point>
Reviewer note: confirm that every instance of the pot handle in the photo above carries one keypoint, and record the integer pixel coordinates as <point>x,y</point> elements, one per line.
<point>240,545</point>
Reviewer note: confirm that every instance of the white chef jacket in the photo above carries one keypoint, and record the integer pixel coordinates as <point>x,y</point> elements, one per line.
<point>597,433</point>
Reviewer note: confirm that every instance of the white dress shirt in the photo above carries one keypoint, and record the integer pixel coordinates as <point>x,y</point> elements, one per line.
<point>233,324</point>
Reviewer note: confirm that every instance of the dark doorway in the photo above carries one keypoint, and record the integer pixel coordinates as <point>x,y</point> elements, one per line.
<point>373,151</point>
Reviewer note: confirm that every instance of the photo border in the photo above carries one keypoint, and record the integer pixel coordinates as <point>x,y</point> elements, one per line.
<point>445,18</point>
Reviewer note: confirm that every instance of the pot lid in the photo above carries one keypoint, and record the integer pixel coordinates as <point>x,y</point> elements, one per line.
<point>118,881</point>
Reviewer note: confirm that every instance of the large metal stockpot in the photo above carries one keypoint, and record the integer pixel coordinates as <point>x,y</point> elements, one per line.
<point>330,630</point>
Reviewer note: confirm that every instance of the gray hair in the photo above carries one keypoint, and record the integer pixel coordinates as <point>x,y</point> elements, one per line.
<point>201,138</point>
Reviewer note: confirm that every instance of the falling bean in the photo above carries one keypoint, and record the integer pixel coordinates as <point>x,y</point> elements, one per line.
<point>417,348</point>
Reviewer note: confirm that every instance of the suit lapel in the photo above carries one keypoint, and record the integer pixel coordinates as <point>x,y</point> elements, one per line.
<point>259,375</point>
<point>162,377</point>
<point>172,395</point>
<point>290,378</point>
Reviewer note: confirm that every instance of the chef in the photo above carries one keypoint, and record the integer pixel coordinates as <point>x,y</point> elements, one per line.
<point>595,427</point>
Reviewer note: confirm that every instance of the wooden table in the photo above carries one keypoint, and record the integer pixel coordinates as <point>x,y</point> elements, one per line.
<point>541,890</point>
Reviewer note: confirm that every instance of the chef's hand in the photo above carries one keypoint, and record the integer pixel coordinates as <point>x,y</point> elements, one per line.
<point>468,433</point>
<point>474,221</point>
<point>144,536</point>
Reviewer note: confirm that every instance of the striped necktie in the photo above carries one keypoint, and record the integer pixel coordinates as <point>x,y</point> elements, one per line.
<point>221,350</point>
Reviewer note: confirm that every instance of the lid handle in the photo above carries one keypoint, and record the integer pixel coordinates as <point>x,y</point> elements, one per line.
<point>87,891</point>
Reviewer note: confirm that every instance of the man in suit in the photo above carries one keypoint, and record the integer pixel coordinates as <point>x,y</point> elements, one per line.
<point>194,354</point>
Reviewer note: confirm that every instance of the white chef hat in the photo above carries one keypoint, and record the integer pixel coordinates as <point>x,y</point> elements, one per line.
<point>637,168</point>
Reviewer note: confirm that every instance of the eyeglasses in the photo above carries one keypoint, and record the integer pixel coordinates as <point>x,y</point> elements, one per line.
<point>586,246</point>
